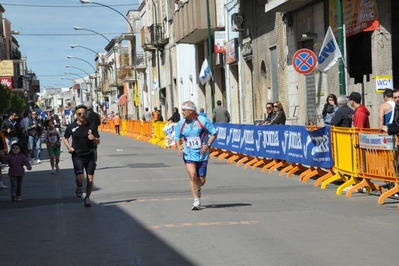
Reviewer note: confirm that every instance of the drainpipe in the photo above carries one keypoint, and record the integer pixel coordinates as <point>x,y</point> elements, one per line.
<point>227,66</point>
<point>208,15</point>
<point>342,89</point>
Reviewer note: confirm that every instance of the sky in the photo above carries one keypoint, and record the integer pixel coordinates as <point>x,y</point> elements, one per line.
<point>46,34</point>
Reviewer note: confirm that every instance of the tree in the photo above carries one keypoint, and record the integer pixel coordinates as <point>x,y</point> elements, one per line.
<point>10,101</point>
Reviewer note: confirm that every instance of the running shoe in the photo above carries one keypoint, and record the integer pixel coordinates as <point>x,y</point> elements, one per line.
<point>2,185</point>
<point>52,170</point>
<point>78,191</point>
<point>196,205</point>
<point>87,202</point>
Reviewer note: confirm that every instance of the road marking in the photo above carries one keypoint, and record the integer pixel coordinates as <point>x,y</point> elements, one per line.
<point>156,180</point>
<point>143,201</point>
<point>179,225</point>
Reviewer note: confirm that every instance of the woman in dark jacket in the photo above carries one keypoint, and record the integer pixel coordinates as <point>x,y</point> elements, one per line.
<point>176,116</point>
<point>279,115</point>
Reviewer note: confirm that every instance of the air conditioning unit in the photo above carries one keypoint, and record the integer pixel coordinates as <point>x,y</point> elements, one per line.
<point>237,22</point>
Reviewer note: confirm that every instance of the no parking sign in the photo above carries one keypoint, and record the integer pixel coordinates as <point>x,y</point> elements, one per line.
<point>304,61</point>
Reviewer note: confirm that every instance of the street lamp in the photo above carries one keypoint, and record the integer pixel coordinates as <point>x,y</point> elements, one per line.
<point>132,41</point>
<point>70,57</point>
<point>210,54</point>
<point>68,66</point>
<point>58,84</point>
<point>95,72</point>
<point>87,48</point>
<point>157,47</point>
<point>93,31</point>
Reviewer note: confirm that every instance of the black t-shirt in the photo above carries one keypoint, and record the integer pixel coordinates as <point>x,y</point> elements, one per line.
<point>80,141</point>
<point>93,117</point>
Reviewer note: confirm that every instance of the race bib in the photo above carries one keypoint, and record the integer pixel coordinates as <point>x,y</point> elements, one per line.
<point>53,139</point>
<point>193,142</point>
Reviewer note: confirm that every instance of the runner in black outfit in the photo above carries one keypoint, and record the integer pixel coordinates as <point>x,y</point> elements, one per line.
<point>84,139</point>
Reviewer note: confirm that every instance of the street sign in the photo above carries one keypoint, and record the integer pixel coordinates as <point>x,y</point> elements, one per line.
<point>304,61</point>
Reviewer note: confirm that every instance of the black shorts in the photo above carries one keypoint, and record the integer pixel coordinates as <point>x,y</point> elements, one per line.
<point>84,163</point>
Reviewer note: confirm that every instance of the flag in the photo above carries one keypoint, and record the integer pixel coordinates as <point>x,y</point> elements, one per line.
<point>155,82</point>
<point>136,95</point>
<point>205,74</point>
<point>329,52</point>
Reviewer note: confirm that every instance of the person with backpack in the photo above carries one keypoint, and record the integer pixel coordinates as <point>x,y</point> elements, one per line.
<point>198,133</point>
<point>52,138</point>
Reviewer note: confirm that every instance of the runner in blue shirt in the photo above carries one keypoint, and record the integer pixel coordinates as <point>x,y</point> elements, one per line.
<point>198,133</point>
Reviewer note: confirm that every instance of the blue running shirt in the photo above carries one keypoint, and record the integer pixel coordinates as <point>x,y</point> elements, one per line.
<point>195,134</point>
<point>388,117</point>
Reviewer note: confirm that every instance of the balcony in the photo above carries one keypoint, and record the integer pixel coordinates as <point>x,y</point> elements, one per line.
<point>190,21</point>
<point>125,72</point>
<point>285,5</point>
<point>148,37</point>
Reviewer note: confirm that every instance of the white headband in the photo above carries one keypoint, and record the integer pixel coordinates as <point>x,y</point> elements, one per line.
<point>188,107</point>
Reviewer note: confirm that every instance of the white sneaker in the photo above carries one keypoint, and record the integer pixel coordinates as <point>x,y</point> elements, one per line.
<point>346,189</point>
<point>57,168</point>
<point>196,205</point>
<point>38,161</point>
<point>3,186</point>
<point>53,170</point>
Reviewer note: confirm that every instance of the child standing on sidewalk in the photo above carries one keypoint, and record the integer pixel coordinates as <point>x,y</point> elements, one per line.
<point>16,161</point>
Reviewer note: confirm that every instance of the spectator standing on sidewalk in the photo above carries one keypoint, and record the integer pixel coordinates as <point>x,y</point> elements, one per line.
<point>198,133</point>
<point>9,129</point>
<point>146,115</point>
<point>155,114</point>
<point>16,161</point>
<point>175,117</point>
<point>2,154</point>
<point>269,114</point>
<point>220,113</point>
<point>52,138</point>
<point>117,122</point>
<point>278,117</point>
<point>343,116</point>
<point>386,110</point>
<point>329,109</point>
<point>202,112</point>
<point>35,128</point>
<point>361,116</point>
<point>84,139</point>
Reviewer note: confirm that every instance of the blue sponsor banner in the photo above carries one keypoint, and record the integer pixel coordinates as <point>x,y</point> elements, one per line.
<point>282,142</point>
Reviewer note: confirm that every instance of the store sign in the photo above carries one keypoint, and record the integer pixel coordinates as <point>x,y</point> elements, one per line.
<point>220,42</point>
<point>6,68</point>
<point>246,46</point>
<point>358,16</point>
<point>232,51</point>
<point>383,82</point>
<point>6,81</point>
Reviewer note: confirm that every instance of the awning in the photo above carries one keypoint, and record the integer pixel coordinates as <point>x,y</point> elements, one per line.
<point>122,100</point>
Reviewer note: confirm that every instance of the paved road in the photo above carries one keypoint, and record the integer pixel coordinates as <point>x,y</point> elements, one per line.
<point>141,215</point>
